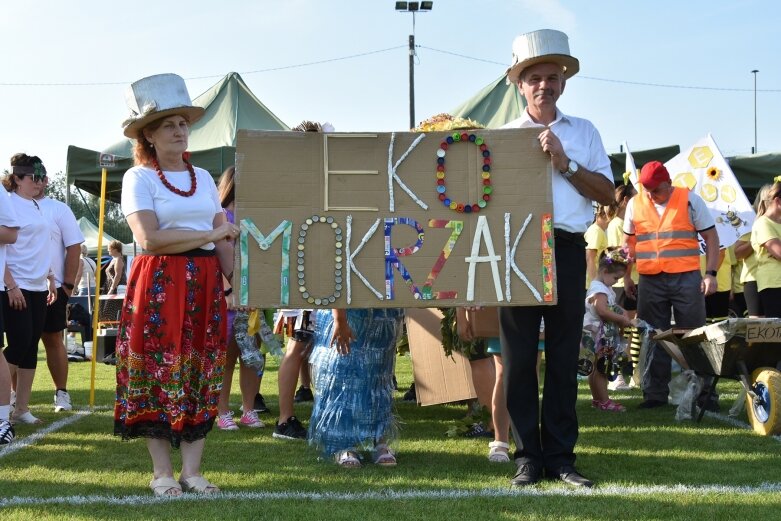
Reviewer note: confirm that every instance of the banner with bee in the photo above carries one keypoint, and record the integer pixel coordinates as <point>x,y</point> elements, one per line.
<point>702,169</point>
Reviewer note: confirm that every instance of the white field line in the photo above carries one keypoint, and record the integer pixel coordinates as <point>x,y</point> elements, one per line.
<point>21,443</point>
<point>735,422</point>
<point>392,495</point>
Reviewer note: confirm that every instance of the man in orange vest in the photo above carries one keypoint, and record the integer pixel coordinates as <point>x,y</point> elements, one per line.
<point>661,227</point>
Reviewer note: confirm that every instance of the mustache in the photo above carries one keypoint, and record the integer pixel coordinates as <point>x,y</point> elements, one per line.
<point>543,92</point>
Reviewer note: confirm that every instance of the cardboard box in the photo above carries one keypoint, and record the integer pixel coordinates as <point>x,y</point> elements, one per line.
<point>485,322</point>
<point>438,378</point>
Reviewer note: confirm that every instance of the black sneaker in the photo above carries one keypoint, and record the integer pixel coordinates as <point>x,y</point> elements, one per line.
<point>6,432</point>
<point>290,430</point>
<point>410,396</point>
<point>478,430</point>
<point>260,405</point>
<point>304,394</point>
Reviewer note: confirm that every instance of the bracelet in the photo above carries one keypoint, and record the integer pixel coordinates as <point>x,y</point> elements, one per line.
<point>228,292</point>
<point>11,289</point>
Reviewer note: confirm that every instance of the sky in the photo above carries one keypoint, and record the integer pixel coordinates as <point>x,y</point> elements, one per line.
<point>652,74</point>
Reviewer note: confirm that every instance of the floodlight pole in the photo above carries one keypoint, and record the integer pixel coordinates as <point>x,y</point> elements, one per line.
<point>412,7</point>
<point>754,72</point>
<point>412,76</point>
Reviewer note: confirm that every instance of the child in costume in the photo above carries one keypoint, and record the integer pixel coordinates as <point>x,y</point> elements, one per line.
<point>352,362</point>
<point>602,322</point>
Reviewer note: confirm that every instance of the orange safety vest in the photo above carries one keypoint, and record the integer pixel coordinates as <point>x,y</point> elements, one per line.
<point>668,243</point>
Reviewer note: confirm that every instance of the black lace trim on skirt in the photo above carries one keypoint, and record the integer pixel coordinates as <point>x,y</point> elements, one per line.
<point>159,430</point>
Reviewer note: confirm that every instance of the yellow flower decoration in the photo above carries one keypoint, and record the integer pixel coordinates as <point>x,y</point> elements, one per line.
<point>714,173</point>
<point>777,179</point>
<point>627,175</point>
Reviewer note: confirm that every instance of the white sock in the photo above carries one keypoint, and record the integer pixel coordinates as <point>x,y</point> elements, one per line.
<point>5,412</point>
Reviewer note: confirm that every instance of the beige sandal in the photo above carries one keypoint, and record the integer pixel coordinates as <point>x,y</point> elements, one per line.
<point>348,459</point>
<point>383,456</point>
<point>166,486</point>
<point>199,485</point>
<point>499,452</point>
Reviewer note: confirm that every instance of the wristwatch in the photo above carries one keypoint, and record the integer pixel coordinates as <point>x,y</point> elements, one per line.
<point>711,272</point>
<point>571,170</point>
<point>67,285</point>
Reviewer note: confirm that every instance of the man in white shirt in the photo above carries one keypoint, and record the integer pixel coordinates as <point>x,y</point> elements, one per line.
<point>66,239</point>
<point>581,174</point>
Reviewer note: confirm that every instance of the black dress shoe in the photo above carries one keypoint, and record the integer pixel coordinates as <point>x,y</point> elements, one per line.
<point>651,404</point>
<point>570,476</point>
<point>527,474</point>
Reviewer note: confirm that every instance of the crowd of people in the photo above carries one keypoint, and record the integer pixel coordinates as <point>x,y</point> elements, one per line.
<point>635,260</point>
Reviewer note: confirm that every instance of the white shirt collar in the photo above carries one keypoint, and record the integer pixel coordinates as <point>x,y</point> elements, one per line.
<point>527,121</point>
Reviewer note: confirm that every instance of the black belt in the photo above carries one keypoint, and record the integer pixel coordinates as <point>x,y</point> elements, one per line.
<point>573,238</point>
<point>197,252</point>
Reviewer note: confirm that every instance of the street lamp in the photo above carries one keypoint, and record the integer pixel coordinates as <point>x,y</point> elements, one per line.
<point>754,72</point>
<point>412,7</point>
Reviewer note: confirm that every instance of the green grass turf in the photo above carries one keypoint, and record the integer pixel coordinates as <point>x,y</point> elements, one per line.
<point>637,448</point>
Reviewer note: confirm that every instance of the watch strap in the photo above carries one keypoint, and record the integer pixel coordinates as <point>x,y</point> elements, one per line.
<point>711,272</point>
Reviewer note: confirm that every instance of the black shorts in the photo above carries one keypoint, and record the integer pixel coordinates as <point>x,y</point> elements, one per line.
<point>55,314</point>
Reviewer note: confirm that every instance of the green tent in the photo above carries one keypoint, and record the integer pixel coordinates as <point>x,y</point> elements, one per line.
<point>230,105</point>
<point>494,105</point>
<point>755,171</point>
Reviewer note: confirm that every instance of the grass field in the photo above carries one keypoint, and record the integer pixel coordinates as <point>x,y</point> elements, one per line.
<point>647,466</point>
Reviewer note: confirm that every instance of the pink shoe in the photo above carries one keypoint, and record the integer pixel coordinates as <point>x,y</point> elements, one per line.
<point>225,422</point>
<point>250,419</point>
<point>608,405</point>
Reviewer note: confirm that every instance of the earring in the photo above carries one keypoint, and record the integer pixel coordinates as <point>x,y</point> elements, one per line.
<point>151,145</point>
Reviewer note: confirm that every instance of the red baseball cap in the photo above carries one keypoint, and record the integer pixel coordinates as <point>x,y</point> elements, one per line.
<point>653,174</point>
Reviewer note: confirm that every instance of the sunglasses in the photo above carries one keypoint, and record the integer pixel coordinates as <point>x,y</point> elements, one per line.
<point>37,178</point>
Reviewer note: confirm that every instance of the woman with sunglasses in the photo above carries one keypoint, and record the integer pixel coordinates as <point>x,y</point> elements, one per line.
<point>28,278</point>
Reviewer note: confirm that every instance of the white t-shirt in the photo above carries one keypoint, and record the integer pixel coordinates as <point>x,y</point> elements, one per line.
<point>591,318</point>
<point>88,268</point>
<point>65,232</point>
<point>143,190</point>
<point>699,214</point>
<point>581,141</point>
<point>7,219</point>
<point>29,258</point>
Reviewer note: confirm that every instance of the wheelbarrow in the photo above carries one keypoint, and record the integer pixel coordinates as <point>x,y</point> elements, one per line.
<point>743,349</point>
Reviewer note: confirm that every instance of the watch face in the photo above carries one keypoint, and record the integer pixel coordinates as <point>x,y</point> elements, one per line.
<point>573,167</point>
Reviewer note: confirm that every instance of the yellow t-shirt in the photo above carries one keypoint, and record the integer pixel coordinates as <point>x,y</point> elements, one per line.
<point>768,269</point>
<point>595,240</point>
<point>724,273</point>
<point>615,238</point>
<point>749,269</point>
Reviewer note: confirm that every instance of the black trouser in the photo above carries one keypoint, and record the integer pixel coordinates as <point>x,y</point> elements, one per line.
<point>23,328</point>
<point>550,443</point>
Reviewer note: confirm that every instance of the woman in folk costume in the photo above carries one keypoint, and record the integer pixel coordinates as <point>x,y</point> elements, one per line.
<point>171,343</point>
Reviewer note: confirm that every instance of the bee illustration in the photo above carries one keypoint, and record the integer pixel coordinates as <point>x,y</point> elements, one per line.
<point>732,218</point>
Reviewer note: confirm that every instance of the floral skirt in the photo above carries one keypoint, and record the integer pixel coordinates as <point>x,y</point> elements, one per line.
<point>170,349</point>
<point>354,392</point>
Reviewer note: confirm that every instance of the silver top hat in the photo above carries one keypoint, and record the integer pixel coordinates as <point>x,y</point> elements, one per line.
<point>156,97</point>
<point>543,46</point>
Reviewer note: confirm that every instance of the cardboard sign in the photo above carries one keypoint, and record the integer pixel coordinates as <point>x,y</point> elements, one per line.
<point>358,220</point>
<point>485,322</point>
<point>438,377</point>
<point>769,332</point>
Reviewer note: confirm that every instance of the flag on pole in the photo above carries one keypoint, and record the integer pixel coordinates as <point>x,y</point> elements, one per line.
<point>702,169</point>
<point>630,170</point>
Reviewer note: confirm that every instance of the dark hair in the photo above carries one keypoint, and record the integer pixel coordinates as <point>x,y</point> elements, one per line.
<point>143,151</point>
<point>623,191</point>
<point>20,159</point>
<point>614,259</point>
<point>226,188</point>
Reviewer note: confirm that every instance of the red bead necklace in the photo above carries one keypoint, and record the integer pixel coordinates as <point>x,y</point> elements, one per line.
<point>171,187</point>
